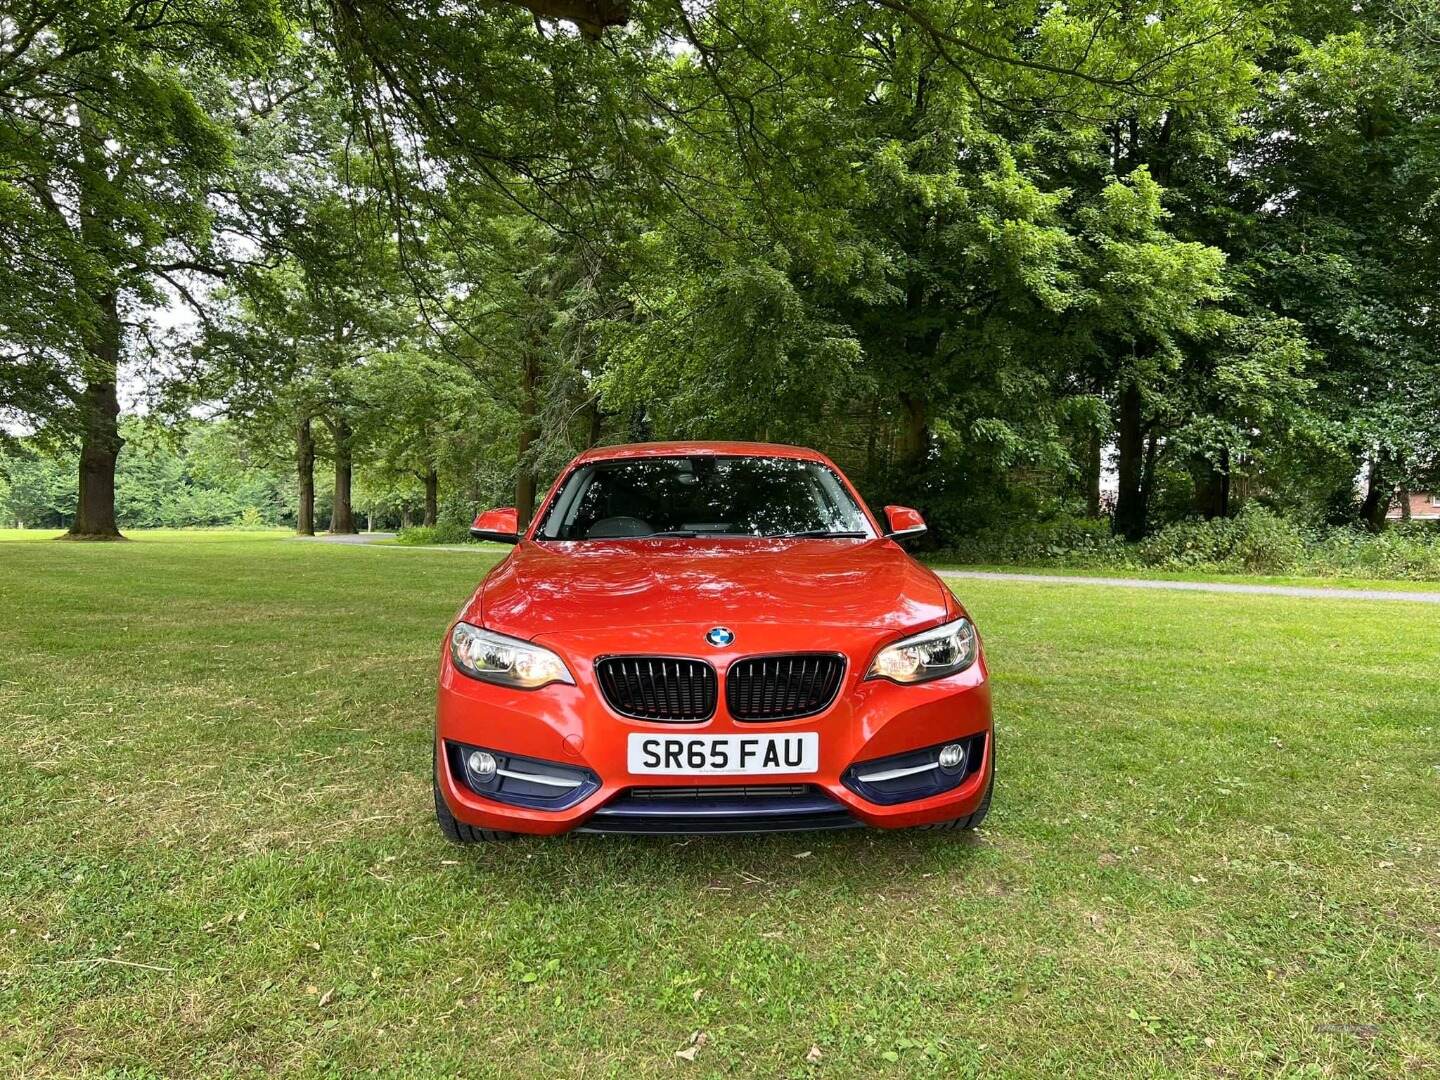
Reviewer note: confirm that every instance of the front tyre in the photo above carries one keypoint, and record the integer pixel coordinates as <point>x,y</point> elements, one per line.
<point>456,831</point>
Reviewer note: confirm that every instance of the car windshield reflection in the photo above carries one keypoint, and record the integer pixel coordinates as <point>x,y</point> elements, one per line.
<point>695,496</point>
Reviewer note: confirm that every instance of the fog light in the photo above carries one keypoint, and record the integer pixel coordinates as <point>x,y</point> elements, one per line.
<point>952,756</point>
<point>482,765</point>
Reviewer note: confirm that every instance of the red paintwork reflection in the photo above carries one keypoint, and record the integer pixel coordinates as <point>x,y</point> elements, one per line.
<point>902,519</point>
<point>501,520</point>
<point>550,587</point>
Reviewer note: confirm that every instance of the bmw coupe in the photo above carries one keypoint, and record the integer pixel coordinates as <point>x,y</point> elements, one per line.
<point>709,638</point>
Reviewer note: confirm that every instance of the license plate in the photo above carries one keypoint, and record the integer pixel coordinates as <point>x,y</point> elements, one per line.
<point>724,755</point>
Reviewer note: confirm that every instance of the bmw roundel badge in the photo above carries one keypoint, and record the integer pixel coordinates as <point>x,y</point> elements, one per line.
<point>720,636</point>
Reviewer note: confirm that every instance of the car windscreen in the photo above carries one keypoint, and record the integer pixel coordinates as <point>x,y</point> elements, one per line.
<point>701,495</point>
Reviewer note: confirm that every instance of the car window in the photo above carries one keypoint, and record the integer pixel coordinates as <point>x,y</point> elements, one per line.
<point>701,495</point>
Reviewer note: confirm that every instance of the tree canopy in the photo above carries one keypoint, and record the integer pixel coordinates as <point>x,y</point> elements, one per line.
<point>985,256</point>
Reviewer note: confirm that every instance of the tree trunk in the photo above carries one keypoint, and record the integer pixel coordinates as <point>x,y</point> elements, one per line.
<point>1130,512</point>
<point>915,431</point>
<point>99,451</point>
<point>101,442</point>
<point>872,428</point>
<point>1225,482</point>
<point>305,478</point>
<point>529,434</point>
<point>524,485</point>
<point>1212,485</point>
<point>432,496</point>
<point>342,518</point>
<point>1090,469</point>
<point>1377,496</point>
<point>1147,478</point>
<point>597,422</point>
<point>1403,488</point>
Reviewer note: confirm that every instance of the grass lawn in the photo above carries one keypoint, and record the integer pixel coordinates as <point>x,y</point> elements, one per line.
<point>1215,850</point>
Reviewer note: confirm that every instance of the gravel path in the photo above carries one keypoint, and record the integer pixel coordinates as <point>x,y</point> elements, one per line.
<point>348,538</point>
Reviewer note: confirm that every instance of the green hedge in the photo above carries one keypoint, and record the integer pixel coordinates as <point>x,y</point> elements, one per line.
<point>447,532</point>
<point>1256,541</point>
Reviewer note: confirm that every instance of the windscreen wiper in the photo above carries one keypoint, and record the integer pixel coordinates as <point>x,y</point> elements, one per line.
<point>823,534</point>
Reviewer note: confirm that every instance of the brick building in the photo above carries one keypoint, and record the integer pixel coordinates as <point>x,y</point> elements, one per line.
<point>1424,506</point>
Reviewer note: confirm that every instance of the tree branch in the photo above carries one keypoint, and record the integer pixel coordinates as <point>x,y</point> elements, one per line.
<point>592,16</point>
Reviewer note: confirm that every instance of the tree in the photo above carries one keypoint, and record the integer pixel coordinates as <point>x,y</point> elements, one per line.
<point>111,138</point>
<point>1341,177</point>
<point>963,248</point>
<point>902,271</point>
<point>415,403</point>
<point>39,486</point>
<point>291,342</point>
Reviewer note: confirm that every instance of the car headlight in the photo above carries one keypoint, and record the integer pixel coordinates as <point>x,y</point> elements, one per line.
<point>495,658</point>
<point>932,654</point>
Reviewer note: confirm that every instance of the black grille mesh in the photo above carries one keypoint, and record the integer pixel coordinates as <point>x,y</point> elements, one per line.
<point>782,687</point>
<point>722,791</point>
<point>658,687</point>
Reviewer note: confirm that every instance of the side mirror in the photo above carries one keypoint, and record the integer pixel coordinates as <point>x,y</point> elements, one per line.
<point>500,525</point>
<point>903,522</point>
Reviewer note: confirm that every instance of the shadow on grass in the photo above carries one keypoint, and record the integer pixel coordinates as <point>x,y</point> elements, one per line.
<point>850,860</point>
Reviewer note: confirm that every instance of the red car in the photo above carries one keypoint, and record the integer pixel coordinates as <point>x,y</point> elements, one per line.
<point>709,638</point>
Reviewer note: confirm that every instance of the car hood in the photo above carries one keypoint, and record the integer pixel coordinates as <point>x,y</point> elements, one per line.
<point>556,587</point>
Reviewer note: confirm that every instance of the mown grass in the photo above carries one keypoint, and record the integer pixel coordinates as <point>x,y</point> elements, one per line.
<point>1215,850</point>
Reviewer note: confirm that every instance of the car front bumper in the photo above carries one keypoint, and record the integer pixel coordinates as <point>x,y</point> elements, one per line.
<point>569,731</point>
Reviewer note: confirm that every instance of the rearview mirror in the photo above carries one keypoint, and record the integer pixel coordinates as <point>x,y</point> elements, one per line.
<point>500,525</point>
<point>903,521</point>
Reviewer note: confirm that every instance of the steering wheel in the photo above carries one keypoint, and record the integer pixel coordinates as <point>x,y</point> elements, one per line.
<point>619,526</point>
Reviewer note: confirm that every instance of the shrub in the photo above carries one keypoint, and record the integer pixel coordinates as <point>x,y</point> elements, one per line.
<point>447,532</point>
<point>1405,553</point>
<point>249,518</point>
<point>1064,541</point>
<point>1256,541</point>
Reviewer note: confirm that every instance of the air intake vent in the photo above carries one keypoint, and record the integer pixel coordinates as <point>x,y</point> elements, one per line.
<point>658,687</point>
<point>782,687</point>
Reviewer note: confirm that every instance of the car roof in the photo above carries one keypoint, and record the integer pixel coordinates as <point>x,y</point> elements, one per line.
<point>699,449</point>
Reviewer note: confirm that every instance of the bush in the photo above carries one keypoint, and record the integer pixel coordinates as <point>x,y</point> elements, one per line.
<point>447,532</point>
<point>250,518</point>
<point>1404,553</point>
<point>1256,541</point>
<point>1065,541</point>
